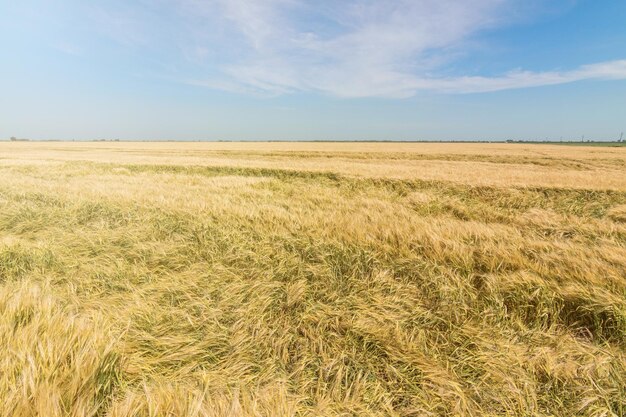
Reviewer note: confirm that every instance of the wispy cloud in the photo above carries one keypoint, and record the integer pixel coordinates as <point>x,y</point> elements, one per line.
<point>352,48</point>
<point>612,70</point>
<point>67,48</point>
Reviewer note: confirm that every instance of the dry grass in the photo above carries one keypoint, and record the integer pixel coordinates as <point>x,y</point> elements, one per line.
<point>275,279</point>
<point>470,164</point>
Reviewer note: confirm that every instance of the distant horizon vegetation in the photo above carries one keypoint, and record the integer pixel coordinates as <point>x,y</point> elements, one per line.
<point>583,141</point>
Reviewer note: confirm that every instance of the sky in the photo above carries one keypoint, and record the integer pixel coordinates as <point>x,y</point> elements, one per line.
<point>313,70</point>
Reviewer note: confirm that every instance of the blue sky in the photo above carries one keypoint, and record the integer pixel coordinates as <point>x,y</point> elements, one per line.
<point>321,70</point>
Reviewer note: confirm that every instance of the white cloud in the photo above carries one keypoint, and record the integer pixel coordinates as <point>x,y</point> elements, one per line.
<point>369,48</point>
<point>349,48</point>
<point>612,70</point>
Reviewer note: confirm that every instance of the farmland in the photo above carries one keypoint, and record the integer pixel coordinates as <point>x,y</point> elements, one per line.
<point>312,279</point>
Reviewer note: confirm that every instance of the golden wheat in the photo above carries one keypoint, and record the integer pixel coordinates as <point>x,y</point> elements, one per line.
<point>309,279</point>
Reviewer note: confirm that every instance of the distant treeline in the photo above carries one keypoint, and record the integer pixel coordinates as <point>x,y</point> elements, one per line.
<point>564,142</point>
<point>567,141</point>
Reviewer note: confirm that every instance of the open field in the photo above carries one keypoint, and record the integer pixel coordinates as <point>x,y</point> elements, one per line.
<point>595,144</point>
<point>312,279</point>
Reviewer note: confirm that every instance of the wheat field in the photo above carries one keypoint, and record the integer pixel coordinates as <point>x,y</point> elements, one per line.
<point>312,279</point>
